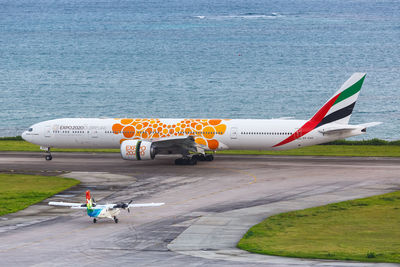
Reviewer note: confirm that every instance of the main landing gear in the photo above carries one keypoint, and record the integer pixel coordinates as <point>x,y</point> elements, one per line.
<point>193,159</point>
<point>186,161</point>
<point>94,220</point>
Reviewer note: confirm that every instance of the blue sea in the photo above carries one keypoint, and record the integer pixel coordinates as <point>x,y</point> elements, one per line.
<point>196,58</point>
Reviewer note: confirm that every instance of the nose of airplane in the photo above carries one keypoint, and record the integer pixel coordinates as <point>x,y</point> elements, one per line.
<point>23,135</point>
<point>26,136</point>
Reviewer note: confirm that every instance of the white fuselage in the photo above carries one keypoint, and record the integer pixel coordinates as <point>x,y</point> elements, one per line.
<point>213,134</point>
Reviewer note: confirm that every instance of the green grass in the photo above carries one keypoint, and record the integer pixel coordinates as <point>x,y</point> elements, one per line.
<point>367,148</point>
<point>362,230</point>
<point>12,138</point>
<point>327,150</point>
<point>17,145</point>
<point>369,142</point>
<point>18,191</point>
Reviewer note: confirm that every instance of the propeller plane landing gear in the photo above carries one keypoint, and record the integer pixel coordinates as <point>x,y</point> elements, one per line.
<point>115,219</point>
<point>94,220</point>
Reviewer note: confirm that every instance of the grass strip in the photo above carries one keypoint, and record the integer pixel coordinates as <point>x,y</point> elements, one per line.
<point>326,150</point>
<point>19,191</point>
<point>318,150</point>
<point>362,230</point>
<point>16,145</point>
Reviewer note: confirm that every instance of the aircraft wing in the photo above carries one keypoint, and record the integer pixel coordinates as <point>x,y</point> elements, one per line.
<point>284,118</point>
<point>126,205</point>
<point>67,204</point>
<point>138,205</point>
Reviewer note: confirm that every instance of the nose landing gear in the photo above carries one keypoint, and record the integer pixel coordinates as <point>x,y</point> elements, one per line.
<point>48,153</point>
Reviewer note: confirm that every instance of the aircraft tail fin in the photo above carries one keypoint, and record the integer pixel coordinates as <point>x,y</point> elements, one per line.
<point>88,200</point>
<point>339,107</point>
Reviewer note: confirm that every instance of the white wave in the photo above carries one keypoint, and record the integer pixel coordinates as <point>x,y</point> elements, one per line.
<point>244,16</point>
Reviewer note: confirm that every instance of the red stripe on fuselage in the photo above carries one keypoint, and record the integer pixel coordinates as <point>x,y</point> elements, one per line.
<point>310,125</point>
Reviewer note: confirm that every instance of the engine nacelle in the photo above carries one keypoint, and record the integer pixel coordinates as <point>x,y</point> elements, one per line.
<point>137,150</point>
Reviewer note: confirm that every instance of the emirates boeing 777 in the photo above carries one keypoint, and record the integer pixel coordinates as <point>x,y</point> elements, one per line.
<point>143,139</point>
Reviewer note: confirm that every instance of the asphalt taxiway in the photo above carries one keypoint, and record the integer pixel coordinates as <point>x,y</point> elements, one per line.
<point>208,207</point>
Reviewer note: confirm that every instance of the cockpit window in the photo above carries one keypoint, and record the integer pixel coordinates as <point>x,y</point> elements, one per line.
<point>30,129</point>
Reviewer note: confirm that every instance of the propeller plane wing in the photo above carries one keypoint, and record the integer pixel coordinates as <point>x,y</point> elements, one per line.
<point>98,211</point>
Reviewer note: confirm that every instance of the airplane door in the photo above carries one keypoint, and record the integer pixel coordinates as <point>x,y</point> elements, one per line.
<point>233,132</point>
<point>297,136</point>
<point>47,131</point>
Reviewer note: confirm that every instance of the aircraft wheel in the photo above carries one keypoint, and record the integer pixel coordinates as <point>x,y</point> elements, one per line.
<point>94,220</point>
<point>115,219</point>
<point>186,161</point>
<point>192,161</point>
<point>209,157</point>
<point>179,161</point>
<point>201,157</point>
<point>48,157</point>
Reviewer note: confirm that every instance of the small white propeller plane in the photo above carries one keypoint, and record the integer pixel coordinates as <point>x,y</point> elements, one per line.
<point>98,211</point>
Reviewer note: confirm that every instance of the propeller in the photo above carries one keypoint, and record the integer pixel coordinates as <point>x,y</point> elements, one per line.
<point>123,205</point>
<point>128,206</point>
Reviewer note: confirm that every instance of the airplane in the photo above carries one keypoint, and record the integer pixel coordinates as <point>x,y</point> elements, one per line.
<point>143,139</point>
<point>98,211</point>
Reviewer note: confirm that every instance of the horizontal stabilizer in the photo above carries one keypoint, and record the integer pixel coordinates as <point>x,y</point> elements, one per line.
<point>370,124</point>
<point>346,127</point>
<point>336,129</point>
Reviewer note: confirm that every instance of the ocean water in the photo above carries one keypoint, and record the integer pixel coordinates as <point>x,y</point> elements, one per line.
<point>196,58</point>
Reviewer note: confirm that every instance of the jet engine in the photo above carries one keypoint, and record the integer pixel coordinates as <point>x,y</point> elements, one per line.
<point>137,150</point>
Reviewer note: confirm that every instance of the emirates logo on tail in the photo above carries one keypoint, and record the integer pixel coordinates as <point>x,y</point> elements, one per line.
<point>337,109</point>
